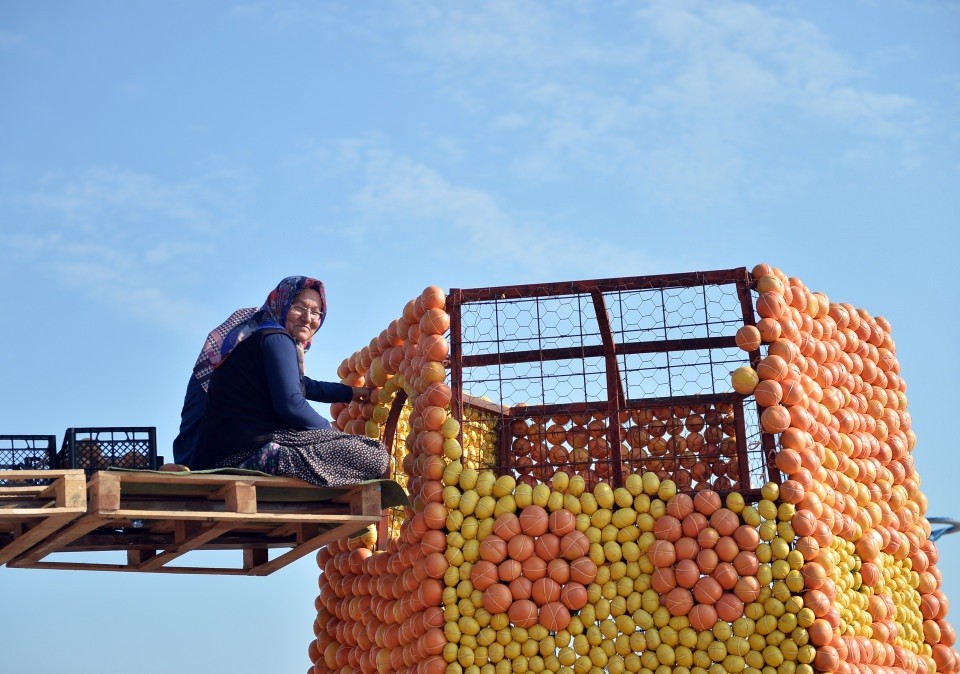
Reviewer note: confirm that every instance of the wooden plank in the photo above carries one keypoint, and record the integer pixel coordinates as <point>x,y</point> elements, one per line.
<point>185,545</point>
<point>184,530</point>
<point>20,492</point>
<point>214,508</point>
<point>41,510</point>
<point>364,504</point>
<point>155,518</point>
<point>369,501</point>
<point>104,490</point>
<point>60,540</point>
<point>27,540</point>
<point>288,529</point>
<point>239,497</point>
<point>69,491</point>
<point>193,570</point>
<point>265,493</point>
<point>254,557</point>
<point>306,548</point>
<point>305,532</point>
<point>138,558</point>
<point>101,541</point>
<point>21,475</point>
<point>18,514</point>
<point>253,518</point>
<point>218,479</point>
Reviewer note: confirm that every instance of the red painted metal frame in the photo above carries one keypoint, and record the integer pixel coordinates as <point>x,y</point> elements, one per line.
<point>683,280</point>
<point>609,350</point>
<point>389,436</point>
<point>454,301</point>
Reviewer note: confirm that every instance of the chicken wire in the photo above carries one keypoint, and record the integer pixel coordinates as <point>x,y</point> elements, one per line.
<point>609,377</point>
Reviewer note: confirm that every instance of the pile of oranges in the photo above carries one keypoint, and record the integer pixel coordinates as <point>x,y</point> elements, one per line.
<point>831,570</point>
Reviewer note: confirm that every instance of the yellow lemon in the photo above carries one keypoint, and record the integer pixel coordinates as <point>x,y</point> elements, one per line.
<point>604,496</point>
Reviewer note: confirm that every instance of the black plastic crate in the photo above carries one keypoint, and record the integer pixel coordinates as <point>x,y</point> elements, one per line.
<point>27,452</point>
<point>94,449</point>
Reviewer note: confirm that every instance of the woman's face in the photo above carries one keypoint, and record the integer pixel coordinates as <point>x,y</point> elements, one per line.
<point>303,318</point>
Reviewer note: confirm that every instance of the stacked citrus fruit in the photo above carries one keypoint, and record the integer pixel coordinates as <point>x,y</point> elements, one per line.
<point>832,569</point>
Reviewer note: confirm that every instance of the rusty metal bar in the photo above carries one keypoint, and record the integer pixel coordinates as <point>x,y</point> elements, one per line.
<point>504,443</point>
<point>598,351</point>
<point>628,404</point>
<point>393,418</point>
<point>744,285</point>
<point>454,301</point>
<point>682,280</point>
<point>389,437</point>
<point>743,458</point>
<point>614,386</point>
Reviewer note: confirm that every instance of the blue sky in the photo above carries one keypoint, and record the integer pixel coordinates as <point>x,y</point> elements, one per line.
<point>162,164</point>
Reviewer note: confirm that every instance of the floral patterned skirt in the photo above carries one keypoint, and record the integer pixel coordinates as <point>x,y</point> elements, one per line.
<point>323,457</point>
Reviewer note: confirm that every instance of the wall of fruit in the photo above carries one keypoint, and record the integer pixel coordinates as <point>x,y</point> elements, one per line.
<point>532,546</point>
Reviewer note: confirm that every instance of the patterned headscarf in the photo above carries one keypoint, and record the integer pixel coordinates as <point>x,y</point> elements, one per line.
<point>244,322</point>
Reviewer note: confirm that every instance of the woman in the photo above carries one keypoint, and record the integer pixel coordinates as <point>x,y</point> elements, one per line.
<point>257,415</point>
<point>195,400</point>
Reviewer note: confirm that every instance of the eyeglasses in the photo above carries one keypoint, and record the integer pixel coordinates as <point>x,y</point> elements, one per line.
<point>314,314</point>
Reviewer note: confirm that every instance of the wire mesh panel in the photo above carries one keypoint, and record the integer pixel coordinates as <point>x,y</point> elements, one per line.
<point>609,377</point>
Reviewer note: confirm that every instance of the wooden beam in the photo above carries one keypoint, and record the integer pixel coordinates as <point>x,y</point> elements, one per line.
<point>155,518</point>
<point>239,497</point>
<point>306,548</point>
<point>216,479</point>
<point>60,540</point>
<point>137,558</point>
<point>365,500</point>
<point>365,504</point>
<point>31,537</point>
<point>306,531</point>
<point>254,557</point>
<point>79,566</point>
<point>211,516</point>
<point>68,491</point>
<point>185,545</point>
<point>104,492</point>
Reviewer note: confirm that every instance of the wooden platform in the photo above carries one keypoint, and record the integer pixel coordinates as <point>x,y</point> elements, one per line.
<point>31,512</point>
<point>156,518</point>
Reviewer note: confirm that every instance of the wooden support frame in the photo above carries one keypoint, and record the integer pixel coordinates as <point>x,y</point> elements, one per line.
<point>156,518</point>
<point>30,514</point>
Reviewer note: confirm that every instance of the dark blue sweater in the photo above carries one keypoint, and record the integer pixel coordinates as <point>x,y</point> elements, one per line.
<point>256,391</point>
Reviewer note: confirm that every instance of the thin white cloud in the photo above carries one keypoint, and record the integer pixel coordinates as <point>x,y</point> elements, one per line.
<point>17,43</point>
<point>121,237</point>
<point>278,15</point>
<point>111,275</point>
<point>10,40</point>
<point>503,30</point>
<point>510,120</point>
<point>323,19</point>
<point>83,198</point>
<point>608,89</point>
<point>684,53</point>
<point>563,89</point>
<point>398,197</point>
<point>732,56</point>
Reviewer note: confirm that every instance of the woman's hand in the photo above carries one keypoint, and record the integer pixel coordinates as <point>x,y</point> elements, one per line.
<point>361,394</point>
